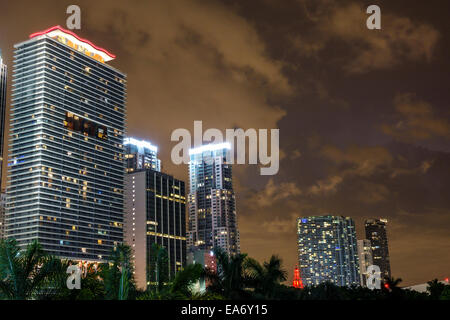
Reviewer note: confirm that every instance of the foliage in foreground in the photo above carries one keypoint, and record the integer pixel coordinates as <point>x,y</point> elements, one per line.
<point>24,273</point>
<point>33,274</point>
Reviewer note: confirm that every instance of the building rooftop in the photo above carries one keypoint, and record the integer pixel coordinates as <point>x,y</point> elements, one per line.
<point>74,41</point>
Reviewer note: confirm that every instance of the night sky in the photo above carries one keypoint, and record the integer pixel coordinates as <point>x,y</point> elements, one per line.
<point>363,114</point>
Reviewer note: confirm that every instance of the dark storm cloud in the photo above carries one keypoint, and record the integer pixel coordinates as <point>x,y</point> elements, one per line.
<point>352,106</point>
<point>416,120</point>
<point>344,21</point>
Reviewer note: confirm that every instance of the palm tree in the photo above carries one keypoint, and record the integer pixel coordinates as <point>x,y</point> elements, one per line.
<point>326,291</point>
<point>25,273</point>
<point>158,268</point>
<point>391,284</point>
<point>435,288</point>
<point>230,280</point>
<point>392,290</point>
<point>445,295</point>
<point>185,279</point>
<point>266,277</point>
<point>92,287</point>
<point>118,274</point>
<point>181,286</point>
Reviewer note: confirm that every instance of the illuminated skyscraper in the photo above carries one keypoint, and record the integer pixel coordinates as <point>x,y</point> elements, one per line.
<point>141,155</point>
<point>155,212</point>
<point>3,86</point>
<point>377,234</point>
<point>66,162</point>
<point>365,259</point>
<point>212,204</point>
<point>327,250</point>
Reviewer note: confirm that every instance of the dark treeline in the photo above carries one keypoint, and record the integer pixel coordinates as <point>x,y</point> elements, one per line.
<point>33,274</point>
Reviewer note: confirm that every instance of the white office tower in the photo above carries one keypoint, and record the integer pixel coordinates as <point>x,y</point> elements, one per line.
<point>212,203</point>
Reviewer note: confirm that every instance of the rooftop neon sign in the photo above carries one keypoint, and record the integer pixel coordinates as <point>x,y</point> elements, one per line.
<point>210,147</point>
<point>74,41</point>
<point>140,144</point>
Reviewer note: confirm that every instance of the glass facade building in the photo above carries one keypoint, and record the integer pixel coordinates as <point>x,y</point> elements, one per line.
<point>155,213</point>
<point>66,155</point>
<point>327,250</point>
<point>141,155</point>
<point>377,234</point>
<point>3,87</point>
<point>211,200</point>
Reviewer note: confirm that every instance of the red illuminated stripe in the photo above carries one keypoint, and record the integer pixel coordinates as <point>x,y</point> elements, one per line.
<point>72,34</point>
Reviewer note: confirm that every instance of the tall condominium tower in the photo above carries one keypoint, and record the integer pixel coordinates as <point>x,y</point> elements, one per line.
<point>365,259</point>
<point>327,250</point>
<point>3,81</point>
<point>212,204</point>
<point>155,213</point>
<point>141,155</point>
<point>66,163</point>
<point>377,234</point>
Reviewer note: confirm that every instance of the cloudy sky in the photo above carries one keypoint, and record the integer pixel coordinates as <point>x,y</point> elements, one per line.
<point>363,115</point>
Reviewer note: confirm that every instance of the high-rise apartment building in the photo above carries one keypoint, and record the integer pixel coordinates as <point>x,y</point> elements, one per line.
<point>141,154</point>
<point>327,250</point>
<point>155,213</point>
<point>377,234</point>
<point>3,87</point>
<point>212,203</point>
<point>365,259</point>
<point>66,155</point>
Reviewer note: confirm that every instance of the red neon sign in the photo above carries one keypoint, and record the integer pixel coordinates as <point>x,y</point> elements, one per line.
<point>74,35</point>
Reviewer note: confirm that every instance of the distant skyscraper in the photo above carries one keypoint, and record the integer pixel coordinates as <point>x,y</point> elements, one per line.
<point>3,86</point>
<point>66,165</point>
<point>141,155</point>
<point>212,204</point>
<point>365,259</point>
<point>155,212</point>
<point>377,234</point>
<point>327,250</point>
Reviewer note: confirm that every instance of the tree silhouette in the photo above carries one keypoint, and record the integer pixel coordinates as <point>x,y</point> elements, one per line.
<point>25,273</point>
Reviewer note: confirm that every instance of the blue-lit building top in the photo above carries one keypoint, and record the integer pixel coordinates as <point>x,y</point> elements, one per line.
<point>327,250</point>
<point>212,203</point>
<point>141,154</point>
